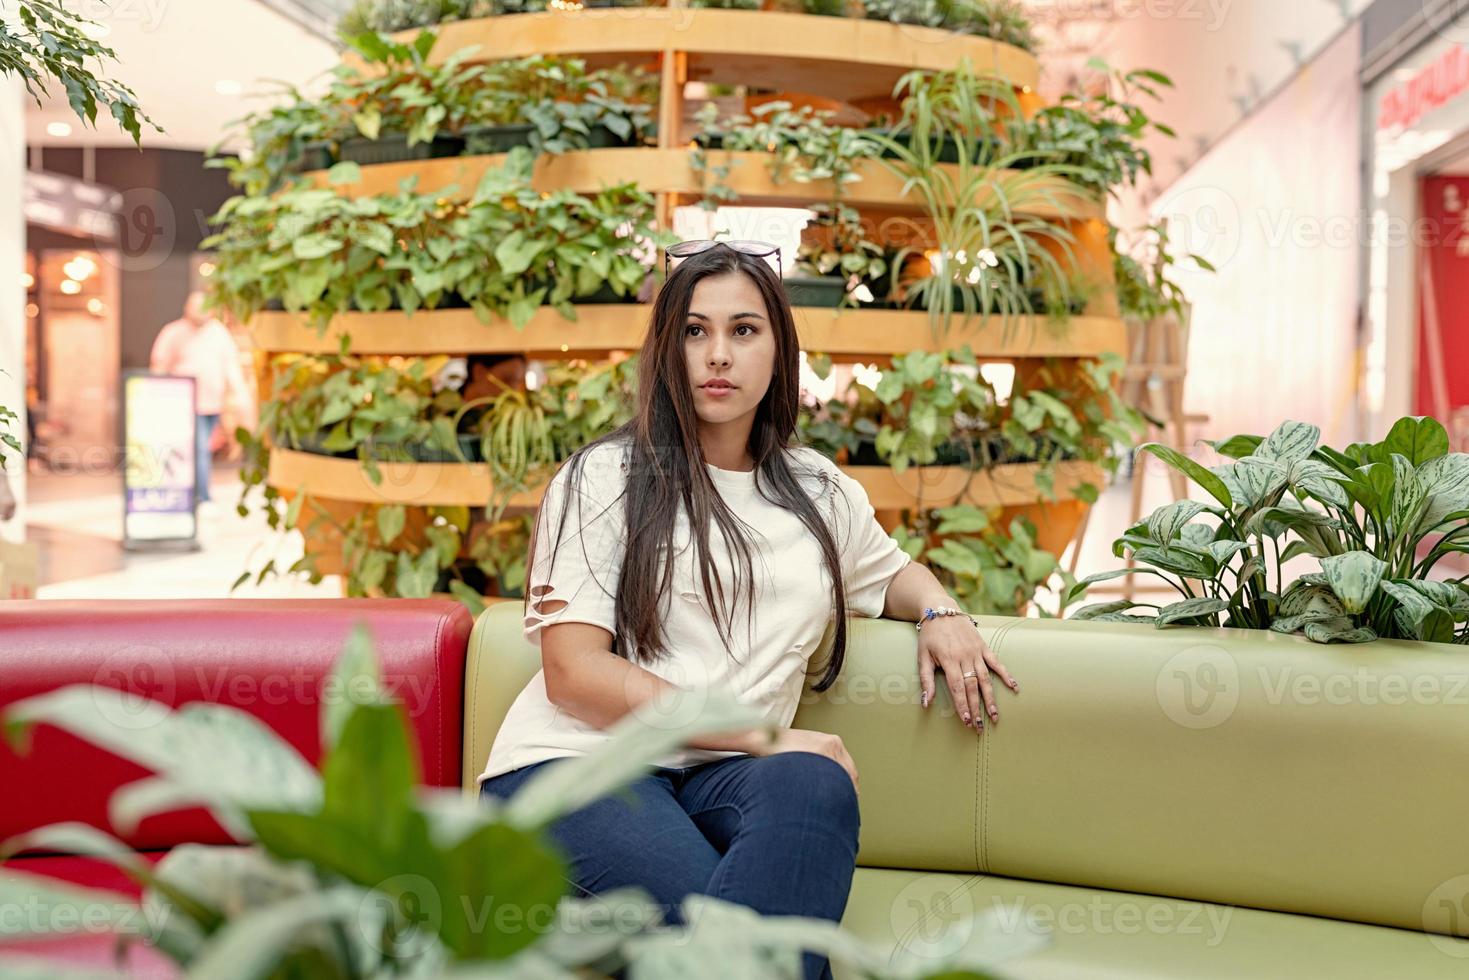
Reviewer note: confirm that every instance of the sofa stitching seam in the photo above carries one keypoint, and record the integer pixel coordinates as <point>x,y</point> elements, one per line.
<point>438,682</point>
<point>983,825</point>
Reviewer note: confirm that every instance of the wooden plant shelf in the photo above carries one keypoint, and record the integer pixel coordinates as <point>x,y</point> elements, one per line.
<point>846,335</point>
<point>468,484</point>
<point>843,57</point>
<point>667,171</point>
<point>944,486</point>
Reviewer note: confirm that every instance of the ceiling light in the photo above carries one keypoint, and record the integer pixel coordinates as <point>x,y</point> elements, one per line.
<point>27,281</point>
<point>80,268</point>
<point>58,129</point>
<point>70,287</point>
<point>206,269</point>
<point>32,310</point>
<point>96,307</point>
<point>228,86</point>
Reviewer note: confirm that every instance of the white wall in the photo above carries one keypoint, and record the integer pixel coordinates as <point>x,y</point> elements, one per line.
<point>12,295</point>
<point>1276,206</point>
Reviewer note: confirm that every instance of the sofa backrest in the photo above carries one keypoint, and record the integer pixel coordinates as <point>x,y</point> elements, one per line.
<point>1229,766</point>
<point>267,656</point>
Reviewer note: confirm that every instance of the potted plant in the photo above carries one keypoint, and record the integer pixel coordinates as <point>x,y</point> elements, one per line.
<point>1377,519</point>
<point>402,107</point>
<point>1103,136</point>
<point>1000,20</point>
<point>992,572</point>
<point>988,238</point>
<point>553,105</point>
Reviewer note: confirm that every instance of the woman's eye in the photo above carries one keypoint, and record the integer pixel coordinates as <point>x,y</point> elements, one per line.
<point>746,326</point>
<point>692,327</point>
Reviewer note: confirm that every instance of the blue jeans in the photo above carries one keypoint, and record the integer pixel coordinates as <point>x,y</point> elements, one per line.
<point>203,432</point>
<point>776,833</point>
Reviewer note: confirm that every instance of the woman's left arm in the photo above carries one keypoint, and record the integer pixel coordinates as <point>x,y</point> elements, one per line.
<point>948,642</point>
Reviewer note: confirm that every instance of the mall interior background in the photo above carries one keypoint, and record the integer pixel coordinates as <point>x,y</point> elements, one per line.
<point>1285,175</point>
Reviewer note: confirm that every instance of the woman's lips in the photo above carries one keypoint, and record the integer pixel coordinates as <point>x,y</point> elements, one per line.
<point>717,391</point>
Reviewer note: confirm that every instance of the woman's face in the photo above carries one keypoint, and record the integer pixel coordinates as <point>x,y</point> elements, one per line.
<point>728,336</point>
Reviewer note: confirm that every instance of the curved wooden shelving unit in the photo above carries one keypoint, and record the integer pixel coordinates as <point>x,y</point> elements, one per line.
<point>843,57</point>
<point>844,334</point>
<point>667,171</point>
<point>468,484</point>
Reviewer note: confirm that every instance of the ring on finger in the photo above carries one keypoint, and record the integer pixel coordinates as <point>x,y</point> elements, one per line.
<point>971,673</point>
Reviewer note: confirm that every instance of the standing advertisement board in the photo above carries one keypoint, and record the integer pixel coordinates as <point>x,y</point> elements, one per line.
<point>159,474</point>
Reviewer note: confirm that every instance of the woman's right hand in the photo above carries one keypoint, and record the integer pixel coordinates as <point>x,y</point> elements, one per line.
<point>805,740</point>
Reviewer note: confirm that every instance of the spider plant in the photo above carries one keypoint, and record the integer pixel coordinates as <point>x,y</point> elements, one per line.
<point>991,236</point>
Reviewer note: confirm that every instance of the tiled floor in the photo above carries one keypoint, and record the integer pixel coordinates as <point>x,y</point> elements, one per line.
<point>76,519</point>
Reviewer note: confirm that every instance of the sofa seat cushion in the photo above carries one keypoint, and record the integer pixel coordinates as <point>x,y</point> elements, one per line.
<point>1096,934</point>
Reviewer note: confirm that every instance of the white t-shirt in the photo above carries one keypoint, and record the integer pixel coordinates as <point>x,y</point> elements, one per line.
<point>792,602</point>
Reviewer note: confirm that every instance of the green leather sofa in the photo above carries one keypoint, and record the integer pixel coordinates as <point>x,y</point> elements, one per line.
<point>1163,803</point>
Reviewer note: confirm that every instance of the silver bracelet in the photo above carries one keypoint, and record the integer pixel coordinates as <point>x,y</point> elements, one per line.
<point>931,613</point>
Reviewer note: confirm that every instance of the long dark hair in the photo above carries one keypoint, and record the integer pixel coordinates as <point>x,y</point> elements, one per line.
<point>665,468</point>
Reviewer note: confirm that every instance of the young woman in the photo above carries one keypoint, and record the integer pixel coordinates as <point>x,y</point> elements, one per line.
<point>770,824</point>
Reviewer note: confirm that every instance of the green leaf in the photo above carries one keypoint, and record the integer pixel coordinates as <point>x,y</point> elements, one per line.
<point>1190,609</point>
<point>1102,608</point>
<point>1338,632</point>
<point>255,942</point>
<point>961,520</point>
<point>214,754</point>
<point>515,253</point>
<point>1211,483</point>
<point>315,246</point>
<point>1445,481</point>
<point>471,599</point>
<point>1258,479</point>
<point>495,867</point>
<point>1237,447</point>
<point>1417,439</point>
<point>1291,441</point>
<point>1178,561</point>
<point>1079,589</point>
<point>1354,577</point>
<point>354,680</point>
<point>1165,523</point>
<point>1434,626</point>
<point>390,521</point>
<point>368,779</point>
<point>346,172</point>
<point>636,741</point>
<point>955,557</point>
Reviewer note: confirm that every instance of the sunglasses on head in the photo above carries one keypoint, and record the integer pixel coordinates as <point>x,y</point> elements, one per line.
<point>682,250</point>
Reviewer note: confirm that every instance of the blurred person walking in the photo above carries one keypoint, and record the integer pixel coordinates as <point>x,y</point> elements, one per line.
<point>201,347</point>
